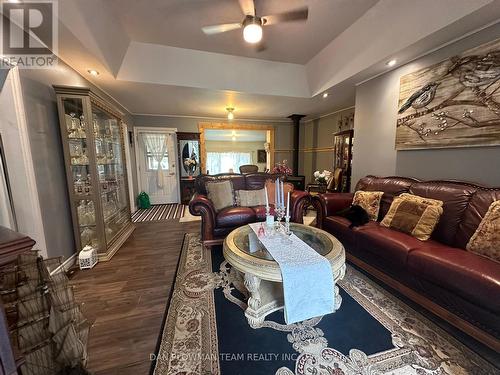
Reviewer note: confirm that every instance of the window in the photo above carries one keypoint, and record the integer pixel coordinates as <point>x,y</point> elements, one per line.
<point>153,164</point>
<point>223,162</point>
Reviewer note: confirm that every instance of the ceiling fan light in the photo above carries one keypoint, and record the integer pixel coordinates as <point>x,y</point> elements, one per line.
<point>252,33</point>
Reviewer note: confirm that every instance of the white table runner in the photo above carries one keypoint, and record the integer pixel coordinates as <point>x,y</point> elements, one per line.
<point>308,284</point>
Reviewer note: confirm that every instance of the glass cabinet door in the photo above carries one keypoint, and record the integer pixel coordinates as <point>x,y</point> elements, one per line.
<point>110,172</point>
<point>78,143</point>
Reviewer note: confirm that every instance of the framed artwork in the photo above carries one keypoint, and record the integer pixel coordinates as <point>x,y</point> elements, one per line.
<point>455,103</point>
<point>261,156</point>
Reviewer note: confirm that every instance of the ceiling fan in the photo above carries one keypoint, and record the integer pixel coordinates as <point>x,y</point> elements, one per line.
<point>252,24</point>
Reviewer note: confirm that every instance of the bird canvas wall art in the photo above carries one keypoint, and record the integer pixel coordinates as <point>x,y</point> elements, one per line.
<point>455,103</point>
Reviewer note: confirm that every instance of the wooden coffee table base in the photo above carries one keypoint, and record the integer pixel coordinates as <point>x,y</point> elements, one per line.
<point>266,297</point>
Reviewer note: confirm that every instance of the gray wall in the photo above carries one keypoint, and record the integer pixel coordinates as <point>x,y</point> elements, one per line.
<point>43,124</point>
<point>375,130</point>
<point>283,135</point>
<point>316,140</point>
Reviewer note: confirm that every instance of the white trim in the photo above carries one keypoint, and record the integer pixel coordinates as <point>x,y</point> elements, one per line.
<point>154,129</point>
<point>457,39</point>
<point>66,265</point>
<point>31,188</point>
<point>128,161</point>
<point>212,118</point>
<point>329,114</point>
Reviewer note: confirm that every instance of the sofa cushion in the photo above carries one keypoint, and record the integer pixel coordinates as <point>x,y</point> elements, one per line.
<point>455,197</point>
<point>486,239</point>
<point>339,227</point>
<point>387,243</point>
<point>477,208</point>
<point>391,186</point>
<point>369,201</point>
<point>250,198</point>
<point>475,278</point>
<point>412,215</point>
<point>221,194</point>
<point>235,216</point>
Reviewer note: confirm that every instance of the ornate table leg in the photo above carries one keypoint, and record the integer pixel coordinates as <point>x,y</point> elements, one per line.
<point>338,297</point>
<point>252,283</point>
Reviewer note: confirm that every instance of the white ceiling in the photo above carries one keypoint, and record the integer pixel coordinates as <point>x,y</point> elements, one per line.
<point>154,59</point>
<point>241,135</point>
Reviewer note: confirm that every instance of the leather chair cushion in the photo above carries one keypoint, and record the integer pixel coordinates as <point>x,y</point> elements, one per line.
<point>455,197</point>
<point>475,278</point>
<point>339,227</point>
<point>388,243</point>
<point>235,216</point>
<point>260,212</point>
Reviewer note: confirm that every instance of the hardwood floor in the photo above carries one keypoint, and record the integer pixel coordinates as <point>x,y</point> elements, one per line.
<point>125,298</point>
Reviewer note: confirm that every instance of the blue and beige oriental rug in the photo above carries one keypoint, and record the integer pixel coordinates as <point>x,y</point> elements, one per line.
<point>373,332</point>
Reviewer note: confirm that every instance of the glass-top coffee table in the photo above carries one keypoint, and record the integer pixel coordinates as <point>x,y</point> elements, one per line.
<point>261,274</point>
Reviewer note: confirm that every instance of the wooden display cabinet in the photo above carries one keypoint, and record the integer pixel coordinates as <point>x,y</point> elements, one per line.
<point>92,139</point>
<point>342,156</point>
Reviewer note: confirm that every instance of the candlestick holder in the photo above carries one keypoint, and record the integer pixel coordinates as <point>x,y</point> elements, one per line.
<point>287,226</point>
<point>269,218</point>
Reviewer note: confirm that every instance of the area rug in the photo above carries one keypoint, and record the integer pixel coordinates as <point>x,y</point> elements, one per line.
<point>373,332</point>
<point>158,212</point>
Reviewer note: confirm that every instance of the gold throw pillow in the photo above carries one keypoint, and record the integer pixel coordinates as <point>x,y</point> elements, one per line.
<point>369,201</point>
<point>413,215</point>
<point>221,194</point>
<point>250,198</point>
<point>486,240</point>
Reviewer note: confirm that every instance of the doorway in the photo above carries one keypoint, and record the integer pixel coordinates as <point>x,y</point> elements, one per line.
<point>156,158</point>
<point>264,151</point>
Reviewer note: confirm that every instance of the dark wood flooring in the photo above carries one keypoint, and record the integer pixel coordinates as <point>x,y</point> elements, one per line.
<point>125,298</point>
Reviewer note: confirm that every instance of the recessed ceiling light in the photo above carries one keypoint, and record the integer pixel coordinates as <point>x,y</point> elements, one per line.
<point>230,114</point>
<point>93,72</point>
<point>391,62</point>
<point>325,95</point>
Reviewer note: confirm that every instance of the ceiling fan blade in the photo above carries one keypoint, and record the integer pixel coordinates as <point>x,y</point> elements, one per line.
<point>294,15</point>
<point>248,7</point>
<point>217,29</point>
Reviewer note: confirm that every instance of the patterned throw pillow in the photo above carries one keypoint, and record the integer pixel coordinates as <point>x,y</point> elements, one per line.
<point>250,198</point>
<point>413,215</point>
<point>270,184</point>
<point>369,201</point>
<point>486,240</point>
<point>221,194</point>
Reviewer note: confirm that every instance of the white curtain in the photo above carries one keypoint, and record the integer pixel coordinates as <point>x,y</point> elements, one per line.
<point>156,144</point>
<point>222,162</point>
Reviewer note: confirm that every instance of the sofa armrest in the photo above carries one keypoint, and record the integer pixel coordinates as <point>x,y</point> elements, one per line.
<point>299,200</point>
<point>329,204</point>
<point>200,205</point>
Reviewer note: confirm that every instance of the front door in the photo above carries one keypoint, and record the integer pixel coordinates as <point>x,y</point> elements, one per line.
<point>157,165</point>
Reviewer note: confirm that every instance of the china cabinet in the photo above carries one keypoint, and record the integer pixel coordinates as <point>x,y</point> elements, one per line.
<point>92,139</point>
<point>342,156</point>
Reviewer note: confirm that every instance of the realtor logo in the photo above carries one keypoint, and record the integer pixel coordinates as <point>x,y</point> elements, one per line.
<point>29,34</point>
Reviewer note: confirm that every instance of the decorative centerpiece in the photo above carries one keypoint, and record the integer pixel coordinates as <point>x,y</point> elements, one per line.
<point>190,164</point>
<point>281,211</point>
<point>282,168</point>
<point>322,177</point>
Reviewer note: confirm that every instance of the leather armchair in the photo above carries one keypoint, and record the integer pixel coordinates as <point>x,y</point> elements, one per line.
<point>215,226</point>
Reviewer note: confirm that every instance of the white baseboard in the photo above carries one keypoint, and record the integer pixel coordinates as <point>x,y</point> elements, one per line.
<point>66,265</point>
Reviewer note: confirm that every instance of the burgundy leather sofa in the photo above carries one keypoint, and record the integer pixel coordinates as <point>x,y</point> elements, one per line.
<point>215,226</point>
<point>457,285</point>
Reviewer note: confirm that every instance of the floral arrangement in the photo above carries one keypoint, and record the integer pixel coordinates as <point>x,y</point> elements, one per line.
<point>322,177</point>
<point>190,164</point>
<point>282,168</point>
